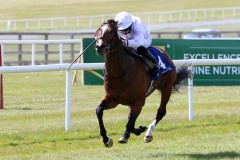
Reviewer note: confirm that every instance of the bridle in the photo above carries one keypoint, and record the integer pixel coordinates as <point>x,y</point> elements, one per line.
<point>113,45</point>
<point>110,47</point>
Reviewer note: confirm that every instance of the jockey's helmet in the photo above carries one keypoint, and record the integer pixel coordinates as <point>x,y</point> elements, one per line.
<point>124,20</point>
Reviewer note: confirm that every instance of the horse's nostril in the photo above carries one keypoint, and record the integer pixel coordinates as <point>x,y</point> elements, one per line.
<point>102,46</point>
<point>100,49</point>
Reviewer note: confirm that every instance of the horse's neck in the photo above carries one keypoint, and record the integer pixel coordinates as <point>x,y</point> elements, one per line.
<point>116,62</point>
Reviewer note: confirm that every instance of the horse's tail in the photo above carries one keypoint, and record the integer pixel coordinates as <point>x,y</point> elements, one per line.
<point>182,74</point>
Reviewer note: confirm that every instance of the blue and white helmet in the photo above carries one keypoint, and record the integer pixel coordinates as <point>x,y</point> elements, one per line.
<point>124,20</point>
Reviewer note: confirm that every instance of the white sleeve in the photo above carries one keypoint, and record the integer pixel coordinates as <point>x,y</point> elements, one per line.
<point>141,36</point>
<point>140,40</point>
<point>121,35</point>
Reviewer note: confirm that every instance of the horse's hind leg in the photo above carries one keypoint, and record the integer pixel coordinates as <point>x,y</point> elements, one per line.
<point>160,114</point>
<point>134,112</point>
<point>166,91</point>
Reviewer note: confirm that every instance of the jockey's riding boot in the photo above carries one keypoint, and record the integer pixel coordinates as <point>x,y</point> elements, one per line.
<point>144,51</point>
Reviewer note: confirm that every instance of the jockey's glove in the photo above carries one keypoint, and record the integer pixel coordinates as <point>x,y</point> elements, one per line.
<point>125,42</point>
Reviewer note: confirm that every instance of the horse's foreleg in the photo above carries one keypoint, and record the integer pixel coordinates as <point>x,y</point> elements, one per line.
<point>134,112</point>
<point>99,111</point>
<point>103,132</point>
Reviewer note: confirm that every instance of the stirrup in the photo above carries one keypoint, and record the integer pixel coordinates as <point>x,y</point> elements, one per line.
<point>150,87</point>
<point>156,66</point>
<point>155,70</point>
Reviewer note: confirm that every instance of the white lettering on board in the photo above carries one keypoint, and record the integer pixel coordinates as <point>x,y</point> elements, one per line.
<point>216,70</point>
<point>223,70</point>
<point>201,70</point>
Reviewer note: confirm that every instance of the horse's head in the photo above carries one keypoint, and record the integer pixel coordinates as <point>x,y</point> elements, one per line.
<point>106,37</point>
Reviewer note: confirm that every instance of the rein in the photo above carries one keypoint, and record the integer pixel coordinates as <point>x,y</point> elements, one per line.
<point>114,49</point>
<point>117,47</point>
<point>80,54</point>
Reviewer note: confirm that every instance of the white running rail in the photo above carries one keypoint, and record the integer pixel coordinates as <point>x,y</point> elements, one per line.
<point>93,21</point>
<point>37,42</point>
<point>86,66</point>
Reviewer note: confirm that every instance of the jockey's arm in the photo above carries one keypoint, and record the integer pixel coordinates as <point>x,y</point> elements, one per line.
<point>139,40</point>
<point>141,36</point>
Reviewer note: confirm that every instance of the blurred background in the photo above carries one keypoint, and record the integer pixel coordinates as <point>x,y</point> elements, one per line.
<point>75,19</point>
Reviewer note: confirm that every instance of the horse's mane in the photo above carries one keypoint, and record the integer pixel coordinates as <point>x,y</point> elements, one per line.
<point>112,21</point>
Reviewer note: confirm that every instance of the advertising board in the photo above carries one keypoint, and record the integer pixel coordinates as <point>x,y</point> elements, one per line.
<point>185,49</point>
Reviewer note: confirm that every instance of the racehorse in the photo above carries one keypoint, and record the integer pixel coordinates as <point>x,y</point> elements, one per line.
<point>126,81</point>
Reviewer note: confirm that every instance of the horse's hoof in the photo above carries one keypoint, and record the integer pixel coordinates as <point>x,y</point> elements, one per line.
<point>123,140</point>
<point>143,128</point>
<point>148,139</point>
<point>109,143</point>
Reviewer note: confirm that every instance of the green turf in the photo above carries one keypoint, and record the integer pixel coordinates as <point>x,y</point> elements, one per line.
<point>20,9</point>
<point>23,9</point>
<point>32,123</point>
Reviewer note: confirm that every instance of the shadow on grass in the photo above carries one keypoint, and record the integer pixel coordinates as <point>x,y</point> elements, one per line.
<point>218,155</point>
<point>189,126</point>
<point>18,108</point>
<point>23,109</point>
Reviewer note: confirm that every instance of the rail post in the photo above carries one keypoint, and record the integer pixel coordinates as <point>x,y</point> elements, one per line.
<point>68,100</point>
<point>190,96</point>
<point>1,81</point>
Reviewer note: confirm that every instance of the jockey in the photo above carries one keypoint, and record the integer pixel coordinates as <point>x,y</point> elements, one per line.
<point>134,33</point>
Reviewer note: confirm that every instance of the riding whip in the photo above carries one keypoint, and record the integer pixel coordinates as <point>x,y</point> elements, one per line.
<point>80,54</point>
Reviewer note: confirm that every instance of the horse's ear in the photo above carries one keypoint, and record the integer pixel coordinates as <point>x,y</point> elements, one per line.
<point>112,21</point>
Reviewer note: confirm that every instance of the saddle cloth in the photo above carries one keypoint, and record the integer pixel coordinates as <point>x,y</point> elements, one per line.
<point>165,66</point>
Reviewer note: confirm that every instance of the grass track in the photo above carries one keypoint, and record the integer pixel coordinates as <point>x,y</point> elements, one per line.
<point>22,9</point>
<point>32,123</point>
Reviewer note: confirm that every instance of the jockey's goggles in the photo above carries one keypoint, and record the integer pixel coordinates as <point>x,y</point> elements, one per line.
<point>127,29</point>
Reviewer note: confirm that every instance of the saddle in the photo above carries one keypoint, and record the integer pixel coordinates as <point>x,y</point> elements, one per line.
<point>145,60</point>
<point>165,66</point>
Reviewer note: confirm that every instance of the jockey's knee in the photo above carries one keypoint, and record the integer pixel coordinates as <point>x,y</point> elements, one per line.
<point>142,50</point>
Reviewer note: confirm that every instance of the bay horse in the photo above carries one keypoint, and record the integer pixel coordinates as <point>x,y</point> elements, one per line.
<point>126,81</point>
